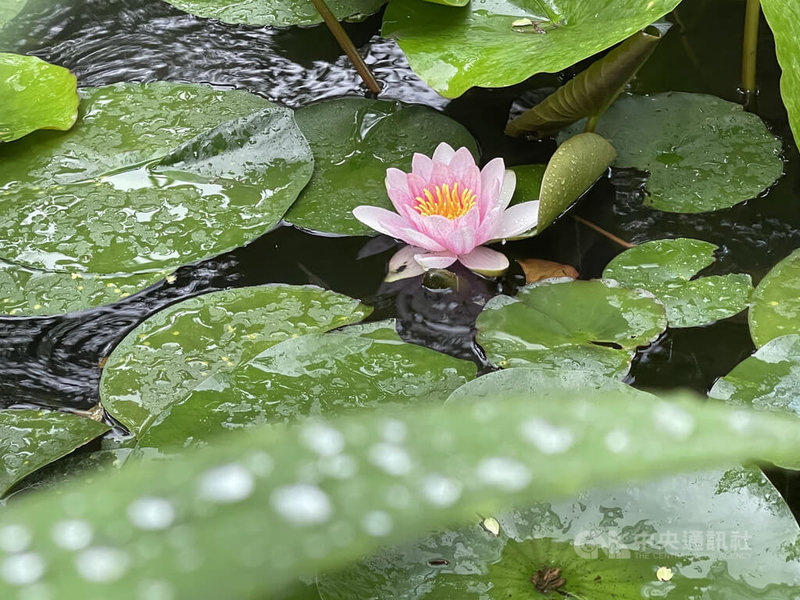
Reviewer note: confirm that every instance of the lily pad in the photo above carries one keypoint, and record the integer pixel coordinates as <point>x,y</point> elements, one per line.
<point>775,309</point>
<point>767,380</point>
<point>151,177</point>
<point>166,357</point>
<point>287,497</point>
<point>354,141</point>
<point>275,12</point>
<point>311,375</point>
<point>545,379</point>
<point>666,268</point>
<point>32,292</point>
<point>31,439</point>
<point>592,325</point>
<point>35,95</point>
<point>703,153</point>
<point>727,535</point>
<point>784,20</point>
<point>496,43</point>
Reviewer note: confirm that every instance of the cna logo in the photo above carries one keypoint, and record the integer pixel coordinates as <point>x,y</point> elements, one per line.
<point>621,544</point>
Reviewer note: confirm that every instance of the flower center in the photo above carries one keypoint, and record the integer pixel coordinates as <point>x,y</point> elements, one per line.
<point>445,201</point>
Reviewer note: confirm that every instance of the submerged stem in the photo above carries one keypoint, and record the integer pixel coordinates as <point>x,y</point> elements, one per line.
<point>601,231</point>
<point>752,16</point>
<point>347,45</point>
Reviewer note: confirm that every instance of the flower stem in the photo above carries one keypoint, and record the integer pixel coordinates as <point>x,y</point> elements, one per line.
<point>347,45</point>
<point>591,123</point>
<point>602,231</point>
<point>752,16</point>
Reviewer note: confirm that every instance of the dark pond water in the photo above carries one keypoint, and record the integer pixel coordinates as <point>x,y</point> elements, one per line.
<point>55,361</point>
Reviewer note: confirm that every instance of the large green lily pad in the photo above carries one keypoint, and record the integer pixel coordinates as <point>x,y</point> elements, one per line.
<point>166,357</point>
<point>275,12</point>
<point>727,535</point>
<point>34,95</point>
<point>311,375</point>
<point>667,267</point>
<point>354,141</point>
<point>454,49</point>
<point>775,309</point>
<point>593,325</point>
<point>703,153</point>
<point>542,379</point>
<point>33,292</point>
<point>151,177</point>
<point>31,439</point>
<point>784,20</point>
<point>767,380</point>
<point>293,501</point>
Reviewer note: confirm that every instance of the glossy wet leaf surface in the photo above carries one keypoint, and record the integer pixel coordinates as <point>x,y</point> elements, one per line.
<point>767,380</point>
<point>354,141</point>
<point>31,439</point>
<point>34,95</point>
<point>722,527</point>
<point>784,20</point>
<point>593,325</point>
<point>668,268</point>
<point>479,45</point>
<point>33,292</point>
<point>276,497</point>
<point>313,375</point>
<point>571,171</point>
<point>591,91</point>
<point>275,12</point>
<point>10,9</point>
<point>775,309</point>
<point>545,378</point>
<point>703,153</point>
<point>151,177</point>
<point>166,357</point>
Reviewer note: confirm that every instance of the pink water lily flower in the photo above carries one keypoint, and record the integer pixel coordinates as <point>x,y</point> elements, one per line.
<point>447,208</point>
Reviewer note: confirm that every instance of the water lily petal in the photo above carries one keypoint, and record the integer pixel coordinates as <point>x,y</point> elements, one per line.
<point>443,153</point>
<point>435,260</point>
<point>421,165</point>
<point>507,189</point>
<point>438,228</point>
<point>518,219</point>
<point>491,182</point>
<point>389,223</point>
<point>403,265</point>
<point>461,161</point>
<point>462,240</point>
<point>485,261</point>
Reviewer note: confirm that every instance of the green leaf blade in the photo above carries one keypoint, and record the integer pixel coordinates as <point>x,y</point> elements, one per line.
<point>34,95</point>
<point>268,491</point>
<point>775,308</point>
<point>454,49</point>
<point>32,439</point>
<point>590,92</point>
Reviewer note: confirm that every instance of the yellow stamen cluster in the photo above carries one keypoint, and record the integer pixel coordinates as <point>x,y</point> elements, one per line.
<point>445,201</point>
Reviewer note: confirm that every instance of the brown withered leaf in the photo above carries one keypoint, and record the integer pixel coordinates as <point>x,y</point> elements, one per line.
<point>536,269</point>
